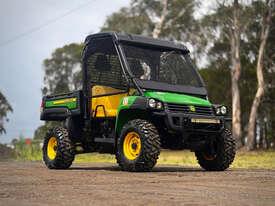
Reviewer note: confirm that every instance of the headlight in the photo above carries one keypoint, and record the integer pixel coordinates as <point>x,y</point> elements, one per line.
<point>152,103</point>
<point>223,110</point>
<point>155,104</point>
<point>220,110</point>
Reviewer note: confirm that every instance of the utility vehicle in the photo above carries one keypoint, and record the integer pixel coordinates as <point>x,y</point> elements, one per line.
<point>139,95</point>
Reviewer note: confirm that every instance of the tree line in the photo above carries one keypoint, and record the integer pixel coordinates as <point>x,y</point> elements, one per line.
<point>5,108</point>
<point>231,42</point>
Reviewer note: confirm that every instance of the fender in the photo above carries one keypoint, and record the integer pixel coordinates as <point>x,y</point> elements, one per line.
<point>131,107</point>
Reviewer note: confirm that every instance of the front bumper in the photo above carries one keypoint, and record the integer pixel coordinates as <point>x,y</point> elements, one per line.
<point>192,123</point>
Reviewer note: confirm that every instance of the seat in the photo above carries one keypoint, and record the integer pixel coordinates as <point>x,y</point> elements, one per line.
<point>108,103</point>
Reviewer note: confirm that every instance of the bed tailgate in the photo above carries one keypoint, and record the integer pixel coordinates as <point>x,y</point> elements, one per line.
<point>59,107</point>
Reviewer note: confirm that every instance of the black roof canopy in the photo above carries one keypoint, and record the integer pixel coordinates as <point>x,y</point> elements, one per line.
<point>146,42</point>
<point>137,39</point>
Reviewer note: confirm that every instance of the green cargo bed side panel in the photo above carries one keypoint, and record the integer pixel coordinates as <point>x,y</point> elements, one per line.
<point>177,98</point>
<point>70,103</point>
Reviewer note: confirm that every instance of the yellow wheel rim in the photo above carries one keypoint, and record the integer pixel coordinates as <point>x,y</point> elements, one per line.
<point>131,145</point>
<point>51,148</point>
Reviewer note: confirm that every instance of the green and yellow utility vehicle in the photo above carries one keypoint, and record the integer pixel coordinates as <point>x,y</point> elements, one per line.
<point>139,95</point>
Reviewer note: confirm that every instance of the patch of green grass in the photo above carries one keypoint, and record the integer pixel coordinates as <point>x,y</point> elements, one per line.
<point>256,159</point>
<point>185,158</point>
<point>259,159</point>
<point>28,152</point>
<point>95,157</point>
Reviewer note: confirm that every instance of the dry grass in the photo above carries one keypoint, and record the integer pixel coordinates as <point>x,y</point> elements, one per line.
<point>259,159</point>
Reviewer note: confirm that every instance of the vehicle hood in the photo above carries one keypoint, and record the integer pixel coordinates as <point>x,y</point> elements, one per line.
<point>177,98</point>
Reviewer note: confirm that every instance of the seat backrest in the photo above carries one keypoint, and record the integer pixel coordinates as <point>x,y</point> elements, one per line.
<point>106,106</point>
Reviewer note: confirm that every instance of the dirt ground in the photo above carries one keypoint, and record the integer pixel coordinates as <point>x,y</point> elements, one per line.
<point>31,183</point>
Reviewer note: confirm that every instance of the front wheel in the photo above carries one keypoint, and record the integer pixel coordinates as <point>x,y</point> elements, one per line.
<point>224,147</point>
<point>58,149</point>
<point>138,146</point>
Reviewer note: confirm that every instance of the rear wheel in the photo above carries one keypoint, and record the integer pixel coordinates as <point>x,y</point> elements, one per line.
<point>221,155</point>
<point>138,146</point>
<point>58,149</point>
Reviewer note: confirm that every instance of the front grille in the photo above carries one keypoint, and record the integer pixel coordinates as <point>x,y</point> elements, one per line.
<point>189,109</point>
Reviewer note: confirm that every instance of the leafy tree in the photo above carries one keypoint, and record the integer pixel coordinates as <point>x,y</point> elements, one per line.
<point>220,94</point>
<point>224,29</point>
<point>217,31</point>
<point>62,74</point>
<point>5,108</point>
<point>63,70</point>
<point>173,20</point>
<point>127,20</point>
<point>265,28</point>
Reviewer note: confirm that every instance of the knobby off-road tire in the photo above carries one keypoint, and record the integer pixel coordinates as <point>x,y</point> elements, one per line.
<point>149,146</point>
<point>225,153</point>
<point>64,150</point>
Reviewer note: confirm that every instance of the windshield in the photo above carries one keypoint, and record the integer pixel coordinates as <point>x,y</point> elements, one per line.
<point>161,65</point>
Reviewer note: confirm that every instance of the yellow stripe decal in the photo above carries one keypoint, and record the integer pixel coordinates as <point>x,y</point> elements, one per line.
<point>63,101</point>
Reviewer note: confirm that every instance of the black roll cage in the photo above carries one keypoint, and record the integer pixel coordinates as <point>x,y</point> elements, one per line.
<point>118,39</point>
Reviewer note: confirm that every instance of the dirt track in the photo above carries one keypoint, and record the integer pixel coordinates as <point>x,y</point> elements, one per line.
<point>103,184</point>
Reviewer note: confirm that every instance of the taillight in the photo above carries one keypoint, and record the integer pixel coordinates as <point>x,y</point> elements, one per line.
<point>42,106</point>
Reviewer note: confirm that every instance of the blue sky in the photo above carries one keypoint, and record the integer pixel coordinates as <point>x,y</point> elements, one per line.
<point>21,59</point>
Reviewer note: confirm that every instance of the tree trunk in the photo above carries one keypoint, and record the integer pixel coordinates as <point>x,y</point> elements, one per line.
<point>235,76</point>
<point>260,77</point>
<point>265,141</point>
<point>157,30</point>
